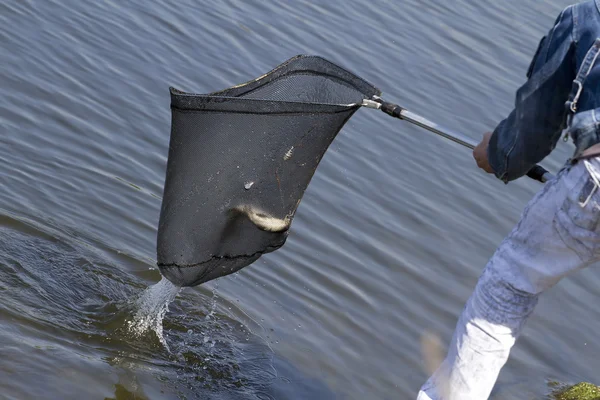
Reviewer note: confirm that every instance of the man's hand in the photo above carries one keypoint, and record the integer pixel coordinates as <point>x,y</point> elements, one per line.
<point>480,153</point>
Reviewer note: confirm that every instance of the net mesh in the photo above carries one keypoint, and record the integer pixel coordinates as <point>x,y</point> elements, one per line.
<point>240,160</point>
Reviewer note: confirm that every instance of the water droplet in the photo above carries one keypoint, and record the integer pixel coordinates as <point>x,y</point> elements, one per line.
<point>248,185</point>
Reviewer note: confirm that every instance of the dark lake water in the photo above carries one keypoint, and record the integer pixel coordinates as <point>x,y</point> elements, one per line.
<point>386,246</point>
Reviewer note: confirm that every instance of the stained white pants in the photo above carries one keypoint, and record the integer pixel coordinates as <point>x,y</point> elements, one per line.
<point>558,233</point>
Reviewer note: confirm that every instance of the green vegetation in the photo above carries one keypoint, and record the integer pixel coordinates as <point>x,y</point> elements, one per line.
<point>581,391</point>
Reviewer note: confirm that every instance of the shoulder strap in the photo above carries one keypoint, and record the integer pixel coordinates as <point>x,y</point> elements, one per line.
<point>584,71</point>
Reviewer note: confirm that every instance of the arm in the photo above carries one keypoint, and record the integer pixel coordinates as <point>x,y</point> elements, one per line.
<point>532,129</point>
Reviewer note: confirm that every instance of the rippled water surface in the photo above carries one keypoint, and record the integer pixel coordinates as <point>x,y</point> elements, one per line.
<point>385,248</point>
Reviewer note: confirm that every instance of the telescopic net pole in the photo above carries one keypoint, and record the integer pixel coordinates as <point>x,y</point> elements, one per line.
<point>537,173</point>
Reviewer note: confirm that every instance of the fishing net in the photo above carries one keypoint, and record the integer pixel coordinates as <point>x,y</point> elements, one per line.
<point>240,161</point>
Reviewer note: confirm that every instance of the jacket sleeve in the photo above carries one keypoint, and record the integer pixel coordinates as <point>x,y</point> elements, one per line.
<point>533,128</point>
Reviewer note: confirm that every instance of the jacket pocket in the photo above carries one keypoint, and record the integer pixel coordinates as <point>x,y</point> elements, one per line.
<point>578,220</point>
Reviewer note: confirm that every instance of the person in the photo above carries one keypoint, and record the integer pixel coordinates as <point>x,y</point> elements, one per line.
<point>559,230</point>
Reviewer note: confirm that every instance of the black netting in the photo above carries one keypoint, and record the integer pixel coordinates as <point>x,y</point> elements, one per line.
<point>240,161</point>
<point>307,88</point>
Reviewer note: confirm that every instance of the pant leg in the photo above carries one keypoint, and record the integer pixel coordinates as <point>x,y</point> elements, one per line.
<point>555,236</point>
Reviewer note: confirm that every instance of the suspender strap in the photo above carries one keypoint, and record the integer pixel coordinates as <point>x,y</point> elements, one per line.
<point>584,71</point>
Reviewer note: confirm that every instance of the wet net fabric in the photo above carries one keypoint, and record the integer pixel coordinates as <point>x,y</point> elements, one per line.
<point>240,161</point>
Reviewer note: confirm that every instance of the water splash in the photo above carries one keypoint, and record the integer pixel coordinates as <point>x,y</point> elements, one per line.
<point>151,307</point>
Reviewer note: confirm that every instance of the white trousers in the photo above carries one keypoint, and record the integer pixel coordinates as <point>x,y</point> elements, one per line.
<point>558,233</point>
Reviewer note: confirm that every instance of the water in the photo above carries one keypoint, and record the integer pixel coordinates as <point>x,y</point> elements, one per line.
<point>385,248</point>
<point>151,307</point>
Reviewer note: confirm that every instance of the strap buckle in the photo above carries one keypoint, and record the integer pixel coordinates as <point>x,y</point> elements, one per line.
<point>572,104</point>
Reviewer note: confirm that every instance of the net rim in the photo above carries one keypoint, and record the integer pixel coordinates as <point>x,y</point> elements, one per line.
<point>183,101</point>
<point>230,100</point>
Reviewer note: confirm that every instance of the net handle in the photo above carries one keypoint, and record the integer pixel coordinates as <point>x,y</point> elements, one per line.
<point>537,173</point>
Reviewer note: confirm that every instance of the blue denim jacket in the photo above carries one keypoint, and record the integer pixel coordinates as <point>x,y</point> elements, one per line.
<point>533,128</point>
